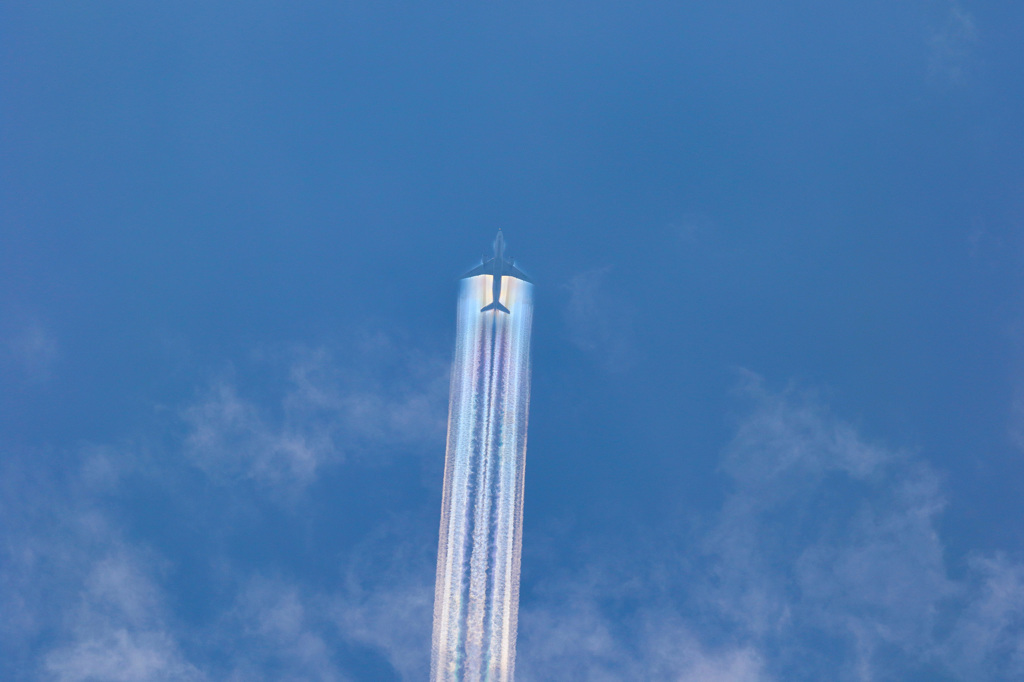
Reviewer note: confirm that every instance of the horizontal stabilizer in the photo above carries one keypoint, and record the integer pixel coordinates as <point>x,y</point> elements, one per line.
<point>495,306</point>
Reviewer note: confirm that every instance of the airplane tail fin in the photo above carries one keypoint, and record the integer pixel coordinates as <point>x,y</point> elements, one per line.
<point>495,306</point>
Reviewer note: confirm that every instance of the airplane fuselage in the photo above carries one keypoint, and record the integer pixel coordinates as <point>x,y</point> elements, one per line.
<point>499,260</point>
<point>498,268</point>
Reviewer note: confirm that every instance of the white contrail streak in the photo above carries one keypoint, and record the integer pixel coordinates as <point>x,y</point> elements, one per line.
<point>476,597</point>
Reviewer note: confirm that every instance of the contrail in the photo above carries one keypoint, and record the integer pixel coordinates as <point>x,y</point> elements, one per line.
<point>476,597</point>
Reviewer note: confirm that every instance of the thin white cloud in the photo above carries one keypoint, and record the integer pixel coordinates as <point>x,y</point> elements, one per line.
<point>692,228</point>
<point>393,618</point>
<point>79,602</point>
<point>829,539</point>
<point>826,542</point>
<point>117,655</point>
<point>824,562</point>
<point>30,349</point>
<point>990,631</point>
<point>229,436</point>
<point>1017,416</point>
<point>579,630</point>
<point>327,411</point>
<point>67,572</point>
<point>117,630</point>
<point>49,539</point>
<point>598,321</point>
<point>952,45</point>
<point>283,630</point>
<point>387,599</point>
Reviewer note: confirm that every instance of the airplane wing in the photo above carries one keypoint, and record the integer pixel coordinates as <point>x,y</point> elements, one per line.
<point>484,269</point>
<point>512,271</point>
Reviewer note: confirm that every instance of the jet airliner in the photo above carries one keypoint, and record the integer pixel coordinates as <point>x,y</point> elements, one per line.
<point>497,267</point>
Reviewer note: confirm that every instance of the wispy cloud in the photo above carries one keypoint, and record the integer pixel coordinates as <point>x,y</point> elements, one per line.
<point>827,543</point>
<point>825,561</point>
<point>951,46</point>
<point>229,436</point>
<point>823,527</point>
<point>382,603</point>
<point>80,602</point>
<point>117,630</point>
<point>581,631</point>
<point>1016,427</point>
<point>597,320</point>
<point>691,228</point>
<point>281,629</point>
<point>829,540</point>
<point>989,634</point>
<point>28,348</point>
<point>327,411</point>
<point>391,614</point>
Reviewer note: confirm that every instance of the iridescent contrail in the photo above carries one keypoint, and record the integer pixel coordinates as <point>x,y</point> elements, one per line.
<point>476,597</point>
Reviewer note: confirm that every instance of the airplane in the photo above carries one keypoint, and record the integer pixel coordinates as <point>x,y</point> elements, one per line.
<point>497,267</point>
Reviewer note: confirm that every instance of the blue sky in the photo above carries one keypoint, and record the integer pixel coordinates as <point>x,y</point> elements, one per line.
<point>777,423</point>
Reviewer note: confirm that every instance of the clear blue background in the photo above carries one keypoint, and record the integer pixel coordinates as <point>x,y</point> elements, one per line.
<point>778,407</point>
